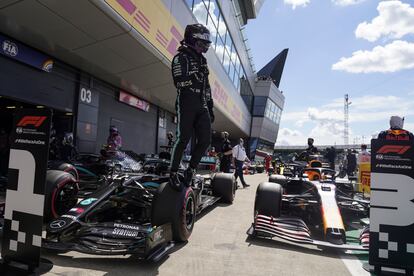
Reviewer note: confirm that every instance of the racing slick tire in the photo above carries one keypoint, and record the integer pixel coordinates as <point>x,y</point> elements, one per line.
<point>177,208</point>
<point>65,167</point>
<point>61,194</point>
<point>268,200</point>
<point>224,186</point>
<point>279,179</point>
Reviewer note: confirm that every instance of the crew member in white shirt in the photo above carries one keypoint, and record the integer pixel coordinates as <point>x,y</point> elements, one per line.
<point>364,156</point>
<point>239,157</point>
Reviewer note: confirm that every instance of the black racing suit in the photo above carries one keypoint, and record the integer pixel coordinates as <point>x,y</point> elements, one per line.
<point>194,105</point>
<point>312,149</point>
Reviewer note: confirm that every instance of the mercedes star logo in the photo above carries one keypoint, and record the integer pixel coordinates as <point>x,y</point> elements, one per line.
<point>57,224</point>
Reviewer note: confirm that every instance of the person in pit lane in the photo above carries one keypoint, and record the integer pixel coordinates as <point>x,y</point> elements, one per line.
<point>311,149</point>
<point>239,157</point>
<point>114,141</point>
<point>194,104</point>
<point>396,131</point>
<point>226,153</point>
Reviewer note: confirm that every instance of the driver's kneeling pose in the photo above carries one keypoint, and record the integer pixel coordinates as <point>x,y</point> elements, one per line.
<point>194,104</point>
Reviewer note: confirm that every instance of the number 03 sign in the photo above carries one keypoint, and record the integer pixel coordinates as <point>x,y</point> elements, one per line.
<point>85,95</point>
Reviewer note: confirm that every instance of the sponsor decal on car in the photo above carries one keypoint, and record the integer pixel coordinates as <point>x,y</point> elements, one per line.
<point>88,201</point>
<point>69,217</point>
<point>57,224</point>
<point>158,235</point>
<point>77,210</point>
<point>125,233</point>
<point>127,226</point>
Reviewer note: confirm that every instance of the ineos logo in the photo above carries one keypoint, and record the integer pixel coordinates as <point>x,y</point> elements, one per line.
<point>9,48</point>
<point>57,224</point>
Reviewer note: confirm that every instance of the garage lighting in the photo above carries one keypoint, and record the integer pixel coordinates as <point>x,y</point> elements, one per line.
<point>69,114</point>
<point>10,107</point>
<point>40,106</point>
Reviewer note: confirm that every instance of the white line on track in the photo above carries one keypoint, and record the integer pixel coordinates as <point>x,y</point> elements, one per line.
<point>354,265</point>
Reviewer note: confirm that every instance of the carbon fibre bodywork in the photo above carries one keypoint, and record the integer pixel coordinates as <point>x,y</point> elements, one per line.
<point>118,218</point>
<point>314,212</point>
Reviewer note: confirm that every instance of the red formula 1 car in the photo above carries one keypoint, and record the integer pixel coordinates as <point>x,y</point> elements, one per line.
<point>309,212</point>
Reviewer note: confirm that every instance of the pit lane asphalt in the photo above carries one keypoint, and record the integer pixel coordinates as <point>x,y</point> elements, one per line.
<point>218,246</point>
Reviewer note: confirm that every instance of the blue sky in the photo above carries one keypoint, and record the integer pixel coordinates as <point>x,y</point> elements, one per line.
<point>374,39</point>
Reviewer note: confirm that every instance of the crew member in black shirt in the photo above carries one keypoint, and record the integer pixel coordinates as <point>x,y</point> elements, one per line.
<point>226,153</point>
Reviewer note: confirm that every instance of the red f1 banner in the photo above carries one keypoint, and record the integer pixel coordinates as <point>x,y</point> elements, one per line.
<point>23,214</point>
<point>398,149</point>
<point>35,121</point>
<point>392,205</point>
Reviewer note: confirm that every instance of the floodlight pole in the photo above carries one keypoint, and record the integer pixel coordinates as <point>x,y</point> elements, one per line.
<point>347,103</point>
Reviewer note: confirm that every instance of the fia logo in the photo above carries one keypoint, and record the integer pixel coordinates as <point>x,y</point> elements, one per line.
<point>9,48</point>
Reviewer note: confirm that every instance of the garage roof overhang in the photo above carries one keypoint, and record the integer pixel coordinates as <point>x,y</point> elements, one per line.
<point>91,36</point>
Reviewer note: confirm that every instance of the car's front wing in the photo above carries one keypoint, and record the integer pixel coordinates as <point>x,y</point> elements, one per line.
<point>293,230</point>
<point>150,243</point>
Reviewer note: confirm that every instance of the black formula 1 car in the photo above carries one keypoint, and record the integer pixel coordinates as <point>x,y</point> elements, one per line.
<point>137,214</point>
<point>92,170</point>
<point>309,212</point>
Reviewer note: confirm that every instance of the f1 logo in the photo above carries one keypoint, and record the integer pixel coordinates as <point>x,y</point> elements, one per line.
<point>393,149</point>
<point>31,120</point>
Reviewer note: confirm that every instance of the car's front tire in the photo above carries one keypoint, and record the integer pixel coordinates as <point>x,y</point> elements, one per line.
<point>268,200</point>
<point>223,185</point>
<point>279,179</point>
<point>61,194</point>
<point>177,208</point>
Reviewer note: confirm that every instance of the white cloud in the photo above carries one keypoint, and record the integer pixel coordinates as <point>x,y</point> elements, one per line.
<point>395,20</point>
<point>368,108</point>
<point>393,57</point>
<point>326,122</point>
<point>409,126</point>
<point>297,3</point>
<point>288,137</point>
<point>368,102</point>
<point>347,2</point>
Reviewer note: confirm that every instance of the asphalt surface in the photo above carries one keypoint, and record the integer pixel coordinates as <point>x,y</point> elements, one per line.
<point>218,246</point>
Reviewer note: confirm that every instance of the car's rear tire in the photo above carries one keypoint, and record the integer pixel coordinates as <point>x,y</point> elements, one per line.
<point>224,186</point>
<point>268,200</point>
<point>279,179</point>
<point>65,167</point>
<point>177,208</point>
<point>61,194</point>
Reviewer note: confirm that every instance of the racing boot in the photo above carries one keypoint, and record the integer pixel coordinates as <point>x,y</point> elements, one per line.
<point>188,176</point>
<point>175,181</point>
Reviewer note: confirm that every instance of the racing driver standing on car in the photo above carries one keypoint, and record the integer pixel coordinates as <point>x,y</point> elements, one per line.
<point>194,104</point>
